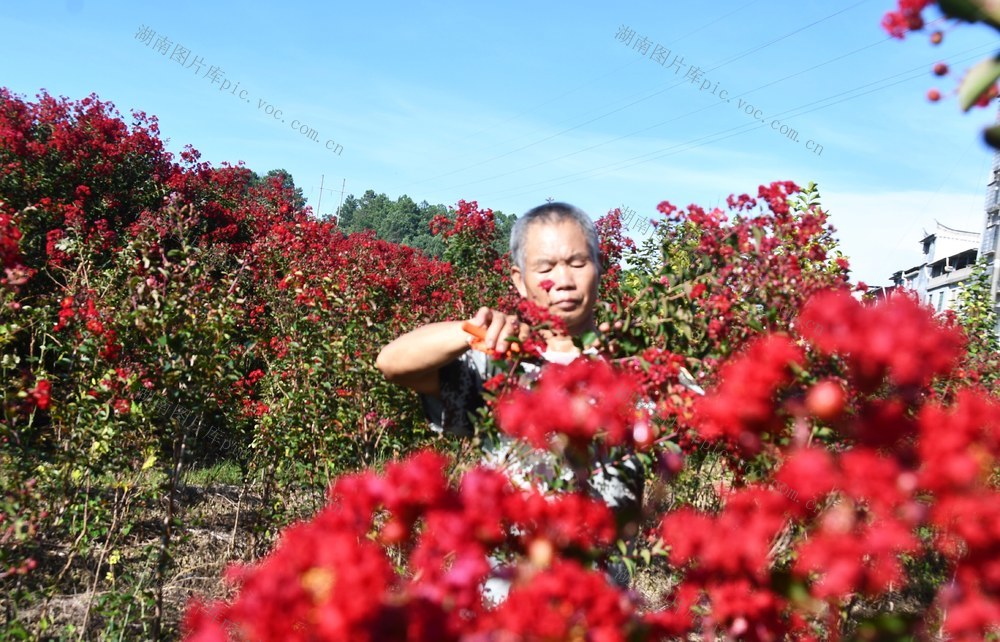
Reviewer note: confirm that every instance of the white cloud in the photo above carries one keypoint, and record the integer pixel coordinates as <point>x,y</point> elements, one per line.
<point>881,232</point>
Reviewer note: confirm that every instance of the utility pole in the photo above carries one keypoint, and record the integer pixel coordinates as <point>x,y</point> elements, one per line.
<point>319,212</point>
<point>319,205</point>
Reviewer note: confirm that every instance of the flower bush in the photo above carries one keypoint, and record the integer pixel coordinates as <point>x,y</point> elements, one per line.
<point>158,316</point>
<point>892,475</point>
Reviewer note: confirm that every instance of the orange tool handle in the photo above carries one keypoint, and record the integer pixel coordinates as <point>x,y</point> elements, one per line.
<point>480,334</point>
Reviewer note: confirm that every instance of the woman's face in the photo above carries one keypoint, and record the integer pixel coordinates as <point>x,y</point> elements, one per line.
<point>559,273</point>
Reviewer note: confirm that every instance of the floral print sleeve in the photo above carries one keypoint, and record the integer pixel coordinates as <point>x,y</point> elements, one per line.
<point>461,394</point>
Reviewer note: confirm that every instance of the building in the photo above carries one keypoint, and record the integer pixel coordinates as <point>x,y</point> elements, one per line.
<point>950,254</point>
<point>948,258</point>
<point>991,230</point>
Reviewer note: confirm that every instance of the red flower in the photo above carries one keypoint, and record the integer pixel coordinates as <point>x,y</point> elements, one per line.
<point>811,474</point>
<point>40,394</point>
<point>578,604</point>
<point>959,446</point>
<point>907,18</point>
<point>122,406</point>
<point>847,558</point>
<point>897,338</point>
<point>582,401</point>
<point>744,404</point>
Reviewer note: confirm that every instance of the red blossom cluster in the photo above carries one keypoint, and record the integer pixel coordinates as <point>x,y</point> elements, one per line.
<point>9,237</point>
<point>777,194</point>
<point>348,277</point>
<point>960,448</point>
<point>538,318</point>
<point>657,369</point>
<point>580,402</point>
<point>12,272</point>
<point>742,409</point>
<point>657,374</point>
<point>612,244</point>
<point>863,515</point>
<point>744,268</point>
<point>905,463</point>
<point>728,559</point>
<point>103,167</point>
<point>866,507</point>
<point>898,340</point>
<point>468,220</point>
<point>40,394</point>
<point>332,578</point>
<point>907,17</point>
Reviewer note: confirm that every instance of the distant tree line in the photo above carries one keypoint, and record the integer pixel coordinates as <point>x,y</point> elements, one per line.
<point>406,222</point>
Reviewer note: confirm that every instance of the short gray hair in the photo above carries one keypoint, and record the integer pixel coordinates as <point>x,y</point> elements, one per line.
<point>553,213</point>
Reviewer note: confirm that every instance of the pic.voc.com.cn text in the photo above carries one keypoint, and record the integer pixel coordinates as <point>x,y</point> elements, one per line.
<point>696,75</point>
<point>183,56</point>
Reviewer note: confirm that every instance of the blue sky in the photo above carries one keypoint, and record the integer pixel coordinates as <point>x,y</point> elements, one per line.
<point>512,103</point>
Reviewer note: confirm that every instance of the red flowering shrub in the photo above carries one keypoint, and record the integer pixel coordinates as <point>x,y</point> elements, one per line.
<point>901,460</point>
<point>167,315</point>
<point>707,282</point>
<point>790,545</point>
<point>12,272</point>
<point>158,305</point>
<point>613,245</point>
<point>702,288</point>
<point>471,240</point>
<point>332,577</point>
<point>898,341</point>
<point>741,410</point>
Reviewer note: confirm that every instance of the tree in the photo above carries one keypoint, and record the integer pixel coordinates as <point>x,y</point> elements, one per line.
<point>403,221</point>
<point>977,316</point>
<point>976,312</point>
<point>504,223</point>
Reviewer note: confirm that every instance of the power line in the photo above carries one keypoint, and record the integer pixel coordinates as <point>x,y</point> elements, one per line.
<point>670,120</point>
<point>747,127</point>
<point>911,74</point>
<point>787,35</point>
<point>644,98</point>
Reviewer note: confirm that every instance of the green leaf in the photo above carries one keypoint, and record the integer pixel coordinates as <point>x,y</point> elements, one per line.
<point>672,447</point>
<point>992,136</point>
<point>977,81</point>
<point>972,10</point>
